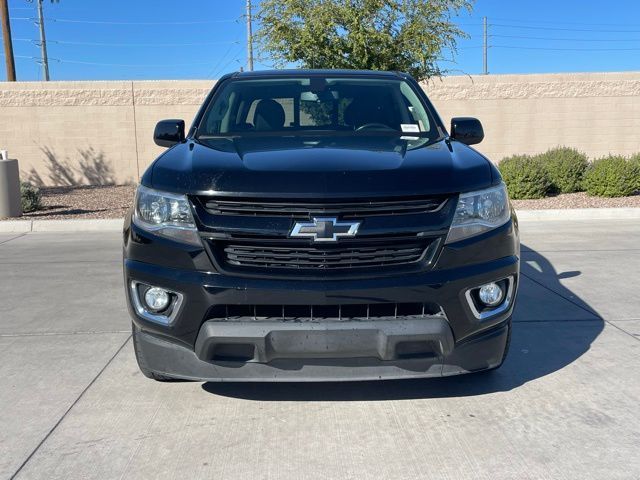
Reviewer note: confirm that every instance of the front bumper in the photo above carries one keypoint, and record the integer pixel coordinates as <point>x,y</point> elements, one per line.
<point>193,346</point>
<point>479,353</point>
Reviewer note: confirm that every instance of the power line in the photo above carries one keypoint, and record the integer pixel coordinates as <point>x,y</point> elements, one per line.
<point>518,47</point>
<point>517,20</point>
<point>569,39</point>
<point>273,67</point>
<point>97,44</point>
<point>530,27</point>
<point>232,51</point>
<point>536,25</point>
<point>217,68</point>
<point>196,44</point>
<point>515,47</point>
<point>80,62</point>
<point>101,22</point>
<point>21,56</point>
<point>220,60</point>
<point>229,63</point>
<point>132,65</point>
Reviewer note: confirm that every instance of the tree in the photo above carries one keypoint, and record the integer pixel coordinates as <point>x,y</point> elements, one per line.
<point>403,35</point>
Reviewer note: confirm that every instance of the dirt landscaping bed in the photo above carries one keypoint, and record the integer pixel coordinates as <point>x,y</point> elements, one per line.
<point>61,203</point>
<point>114,201</point>
<point>577,200</point>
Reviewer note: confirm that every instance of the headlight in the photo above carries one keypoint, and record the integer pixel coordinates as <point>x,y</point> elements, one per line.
<point>479,212</point>
<point>165,214</point>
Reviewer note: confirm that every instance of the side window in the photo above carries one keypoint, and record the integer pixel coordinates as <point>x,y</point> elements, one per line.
<point>415,108</point>
<point>218,118</point>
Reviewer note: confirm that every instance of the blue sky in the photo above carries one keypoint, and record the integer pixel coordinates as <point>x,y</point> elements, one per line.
<point>164,39</point>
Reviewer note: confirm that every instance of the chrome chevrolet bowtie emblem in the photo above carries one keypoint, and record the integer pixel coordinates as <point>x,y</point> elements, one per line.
<point>325,229</point>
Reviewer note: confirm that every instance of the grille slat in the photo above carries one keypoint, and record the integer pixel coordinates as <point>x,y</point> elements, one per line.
<point>239,252</point>
<point>302,209</point>
<point>304,264</point>
<point>322,313</point>
<point>313,257</point>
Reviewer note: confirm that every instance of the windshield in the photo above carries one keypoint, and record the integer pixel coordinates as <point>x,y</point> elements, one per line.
<point>295,105</point>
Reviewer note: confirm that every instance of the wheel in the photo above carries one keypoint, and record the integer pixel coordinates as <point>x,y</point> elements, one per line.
<point>139,358</point>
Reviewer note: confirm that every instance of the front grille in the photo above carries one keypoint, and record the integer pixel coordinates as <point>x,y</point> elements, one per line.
<point>307,209</point>
<point>306,257</point>
<point>322,313</point>
<point>252,236</point>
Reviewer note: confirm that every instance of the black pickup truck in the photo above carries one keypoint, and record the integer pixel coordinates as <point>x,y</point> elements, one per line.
<point>320,225</point>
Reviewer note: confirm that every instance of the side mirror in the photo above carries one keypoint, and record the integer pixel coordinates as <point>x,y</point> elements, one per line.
<point>169,132</point>
<point>466,130</point>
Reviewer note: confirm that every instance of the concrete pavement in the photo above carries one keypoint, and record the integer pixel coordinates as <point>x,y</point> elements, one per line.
<point>564,405</point>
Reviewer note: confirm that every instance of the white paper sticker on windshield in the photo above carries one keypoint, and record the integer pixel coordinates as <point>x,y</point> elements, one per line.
<point>410,127</point>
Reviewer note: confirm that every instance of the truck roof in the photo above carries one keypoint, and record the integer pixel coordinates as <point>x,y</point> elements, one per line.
<point>320,72</point>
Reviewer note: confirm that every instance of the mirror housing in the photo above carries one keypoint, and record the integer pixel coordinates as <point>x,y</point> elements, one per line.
<point>467,130</point>
<point>169,132</point>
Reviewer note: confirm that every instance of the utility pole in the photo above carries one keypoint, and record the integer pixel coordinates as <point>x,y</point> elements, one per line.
<point>8,45</point>
<point>485,70</point>
<point>249,38</point>
<point>43,43</point>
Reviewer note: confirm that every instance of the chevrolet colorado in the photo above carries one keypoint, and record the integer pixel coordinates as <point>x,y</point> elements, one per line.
<point>320,225</point>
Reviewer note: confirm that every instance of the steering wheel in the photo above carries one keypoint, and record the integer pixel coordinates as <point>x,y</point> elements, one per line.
<point>366,126</point>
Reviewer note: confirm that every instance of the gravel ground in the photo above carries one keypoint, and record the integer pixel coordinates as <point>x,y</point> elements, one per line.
<point>577,200</point>
<point>113,202</point>
<point>84,202</point>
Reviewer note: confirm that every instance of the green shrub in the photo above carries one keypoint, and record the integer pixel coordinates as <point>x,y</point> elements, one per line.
<point>635,161</point>
<point>612,176</point>
<point>524,176</point>
<point>31,197</point>
<point>565,167</point>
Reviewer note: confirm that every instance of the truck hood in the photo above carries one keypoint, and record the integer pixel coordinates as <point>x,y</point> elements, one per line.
<point>351,166</point>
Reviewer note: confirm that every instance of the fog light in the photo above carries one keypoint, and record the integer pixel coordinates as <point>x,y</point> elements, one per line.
<point>157,299</point>
<point>491,294</point>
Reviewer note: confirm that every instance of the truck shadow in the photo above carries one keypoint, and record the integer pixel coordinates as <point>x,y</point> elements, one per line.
<point>552,327</point>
